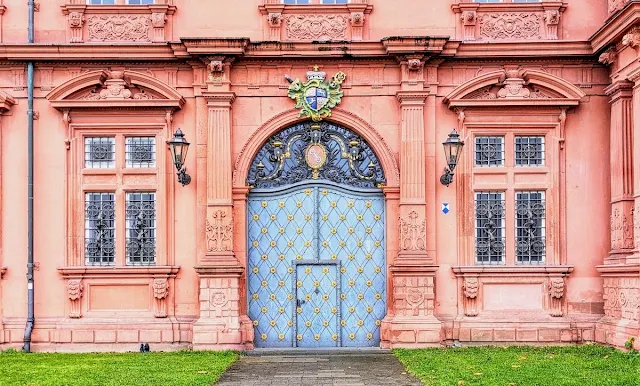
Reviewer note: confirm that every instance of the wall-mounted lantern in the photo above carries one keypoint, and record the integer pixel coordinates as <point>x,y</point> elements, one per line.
<point>179,147</point>
<point>452,150</point>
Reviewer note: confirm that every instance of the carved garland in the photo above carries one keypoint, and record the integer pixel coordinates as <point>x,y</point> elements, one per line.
<point>316,27</point>
<point>120,28</point>
<point>470,290</point>
<point>556,293</point>
<point>160,294</point>
<point>74,292</point>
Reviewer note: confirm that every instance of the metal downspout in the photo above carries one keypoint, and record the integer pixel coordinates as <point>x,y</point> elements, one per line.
<point>30,312</point>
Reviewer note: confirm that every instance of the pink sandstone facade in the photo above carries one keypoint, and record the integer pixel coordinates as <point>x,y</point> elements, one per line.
<point>536,241</point>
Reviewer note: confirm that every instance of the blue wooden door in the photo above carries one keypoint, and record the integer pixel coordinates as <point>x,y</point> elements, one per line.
<point>316,267</point>
<point>316,305</point>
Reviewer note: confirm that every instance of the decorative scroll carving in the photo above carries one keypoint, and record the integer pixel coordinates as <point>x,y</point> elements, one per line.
<point>116,87</point>
<point>556,293</point>
<point>413,233</point>
<point>636,224</point>
<point>609,56</point>
<point>470,290</point>
<point>160,294</point>
<point>413,296</point>
<point>514,25</point>
<point>621,298</point>
<point>127,28</point>
<point>621,230</point>
<point>616,5</point>
<point>469,21</point>
<point>316,27</point>
<point>632,38</point>
<point>219,232</point>
<point>74,292</point>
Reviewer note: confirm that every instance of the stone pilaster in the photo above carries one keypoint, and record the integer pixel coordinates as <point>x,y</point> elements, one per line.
<point>622,179</point>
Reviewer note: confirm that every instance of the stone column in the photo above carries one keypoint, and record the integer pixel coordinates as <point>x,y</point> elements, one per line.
<point>411,321</point>
<point>621,148</point>
<point>220,325</point>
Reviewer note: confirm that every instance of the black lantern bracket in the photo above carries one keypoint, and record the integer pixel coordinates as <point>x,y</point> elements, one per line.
<point>452,150</point>
<point>179,147</point>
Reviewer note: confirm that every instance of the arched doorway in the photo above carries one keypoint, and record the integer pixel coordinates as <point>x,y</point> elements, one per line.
<point>316,267</point>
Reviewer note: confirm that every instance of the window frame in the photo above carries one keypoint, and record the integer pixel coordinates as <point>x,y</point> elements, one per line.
<point>121,2</point>
<point>315,2</point>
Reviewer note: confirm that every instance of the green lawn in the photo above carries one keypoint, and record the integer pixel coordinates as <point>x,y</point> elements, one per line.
<point>588,365</point>
<point>178,368</point>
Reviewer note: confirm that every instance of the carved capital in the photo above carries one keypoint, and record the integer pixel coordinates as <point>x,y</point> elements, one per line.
<point>357,19</point>
<point>76,19</point>
<point>158,19</point>
<point>274,19</point>
<point>469,18</point>
<point>552,17</point>
<point>74,292</point>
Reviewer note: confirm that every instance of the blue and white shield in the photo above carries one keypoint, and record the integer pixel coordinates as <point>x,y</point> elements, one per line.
<point>316,97</point>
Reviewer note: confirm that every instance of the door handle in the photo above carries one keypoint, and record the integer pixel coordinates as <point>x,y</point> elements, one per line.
<point>300,302</point>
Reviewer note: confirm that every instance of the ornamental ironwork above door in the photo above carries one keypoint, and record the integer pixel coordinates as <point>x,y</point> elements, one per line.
<point>316,151</point>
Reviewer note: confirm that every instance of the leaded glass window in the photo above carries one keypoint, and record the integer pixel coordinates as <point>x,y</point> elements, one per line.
<point>141,228</point>
<point>100,233</point>
<point>99,152</point>
<point>489,151</point>
<point>101,2</point>
<point>140,152</point>
<point>138,2</point>
<point>530,227</point>
<point>296,1</point>
<point>490,227</point>
<point>529,151</point>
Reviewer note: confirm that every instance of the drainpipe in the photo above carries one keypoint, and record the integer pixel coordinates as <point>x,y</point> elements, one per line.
<point>30,312</point>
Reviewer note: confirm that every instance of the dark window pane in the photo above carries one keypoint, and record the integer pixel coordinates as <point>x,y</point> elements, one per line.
<point>490,227</point>
<point>141,228</point>
<point>530,227</point>
<point>99,228</point>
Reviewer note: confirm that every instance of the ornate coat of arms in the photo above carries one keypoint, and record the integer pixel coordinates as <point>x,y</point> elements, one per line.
<point>316,97</point>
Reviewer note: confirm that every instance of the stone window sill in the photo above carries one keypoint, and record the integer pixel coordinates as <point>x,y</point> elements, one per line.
<point>119,271</point>
<point>512,270</point>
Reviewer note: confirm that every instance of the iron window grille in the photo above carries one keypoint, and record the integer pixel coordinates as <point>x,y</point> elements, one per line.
<point>489,151</point>
<point>141,228</point>
<point>529,151</point>
<point>490,227</point>
<point>100,233</point>
<point>530,227</point>
<point>140,152</point>
<point>99,152</point>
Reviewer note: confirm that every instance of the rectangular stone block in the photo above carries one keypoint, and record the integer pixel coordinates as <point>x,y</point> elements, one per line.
<point>105,336</point>
<point>82,336</point>
<point>205,337</point>
<point>549,335</point>
<point>63,336</point>
<point>481,335</point>
<point>428,336</point>
<point>403,336</point>
<point>566,335</point>
<point>167,336</point>
<point>150,336</point>
<point>587,335</point>
<point>234,337</point>
<point>508,335</point>
<point>16,335</point>
<point>185,336</point>
<point>40,336</point>
<point>527,335</point>
<point>464,335</point>
<point>128,336</point>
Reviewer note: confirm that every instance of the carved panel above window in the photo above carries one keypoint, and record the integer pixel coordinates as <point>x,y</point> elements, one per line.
<point>508,21</point>
<point>119,23</point>
<point>315,21</point>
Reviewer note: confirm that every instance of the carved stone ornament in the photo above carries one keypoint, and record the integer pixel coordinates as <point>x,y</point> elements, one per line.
<point>316,97</point>
<point>357,19</point>
<point>616,5</point>
<point>413,233</point>
<point>632,38</point>
<point>621,298</point>
<point>274,19</point>
<point>158,19</point>
<point>116,88</point>
<point>552,17</point>
<point>316,27</point>
<point>608,57</point>
<point>556,293</point>
<point>219,231</point>
<point>74,292</point>
<point>160,294</point>
<point>414,64</point>
<point>469,18</point>
<point>126,28</point>
<point>415,297</point>
<point>621,230</point>
<point>470,290</point>
<point>76,19</point>
<point>218,299</point>
<point>510,26</point>
<point>216,66</point>
<point>636,224</point>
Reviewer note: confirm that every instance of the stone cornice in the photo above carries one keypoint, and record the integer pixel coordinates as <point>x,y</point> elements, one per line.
<point>619,88</point>
<point>618,270</point>
<point>616,26</point>
<point>510,7</point>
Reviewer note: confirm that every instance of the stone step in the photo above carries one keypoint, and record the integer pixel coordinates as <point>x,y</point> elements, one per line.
<point>317,351</point>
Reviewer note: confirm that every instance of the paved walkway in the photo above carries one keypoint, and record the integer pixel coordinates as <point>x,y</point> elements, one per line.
<point>318,370</point>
